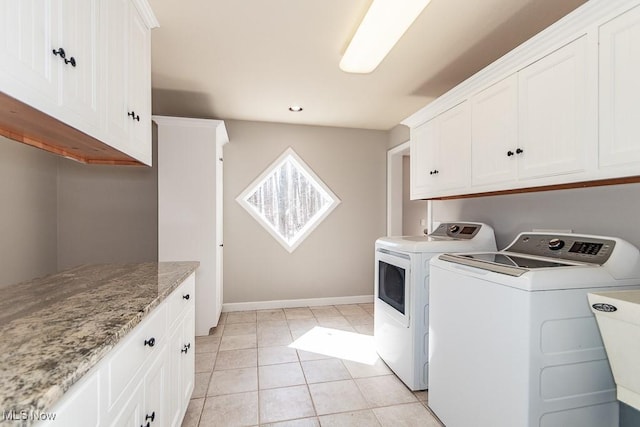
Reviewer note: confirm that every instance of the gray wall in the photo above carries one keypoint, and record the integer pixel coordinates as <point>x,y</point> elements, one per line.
<point>609,210</point>
<point>57,213</point>
<point>337,258</point>
<point>27,213</point>
<point>106,214</point>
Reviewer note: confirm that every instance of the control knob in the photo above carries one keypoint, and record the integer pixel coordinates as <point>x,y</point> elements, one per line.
<point>454,228</point>
<point>556,244</point>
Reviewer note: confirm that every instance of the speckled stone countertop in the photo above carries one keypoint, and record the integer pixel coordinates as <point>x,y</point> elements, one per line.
<point>54,329</point>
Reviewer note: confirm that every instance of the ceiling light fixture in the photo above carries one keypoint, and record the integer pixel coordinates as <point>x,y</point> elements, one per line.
<point>295,108</point>
<point>383,25</point>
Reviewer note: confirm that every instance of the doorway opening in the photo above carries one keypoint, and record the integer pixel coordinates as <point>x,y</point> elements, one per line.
<point>405,217</point>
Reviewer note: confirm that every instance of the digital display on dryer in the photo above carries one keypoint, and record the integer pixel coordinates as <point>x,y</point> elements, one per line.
<point>586,248</point>
<point>467,230</point>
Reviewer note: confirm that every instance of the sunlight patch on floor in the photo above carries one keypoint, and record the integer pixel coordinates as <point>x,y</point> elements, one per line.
<point>336,343</point>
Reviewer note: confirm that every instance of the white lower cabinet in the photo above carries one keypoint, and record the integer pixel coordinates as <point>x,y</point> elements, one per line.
<point>146,405</point>
<point>147,379</point>
<point>129,415</point>
<point>181,365</point>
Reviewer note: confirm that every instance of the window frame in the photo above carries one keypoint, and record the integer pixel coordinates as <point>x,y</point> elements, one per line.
<point>314,221</point>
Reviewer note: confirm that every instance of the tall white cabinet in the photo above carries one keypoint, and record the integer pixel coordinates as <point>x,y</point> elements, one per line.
<point>190,205</point>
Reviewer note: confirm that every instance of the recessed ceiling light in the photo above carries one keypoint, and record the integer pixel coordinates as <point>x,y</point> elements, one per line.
<point>383,25</point>
<point>295,108</point>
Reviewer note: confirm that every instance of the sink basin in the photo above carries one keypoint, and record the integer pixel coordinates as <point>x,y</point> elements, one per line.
<point>618,317</point>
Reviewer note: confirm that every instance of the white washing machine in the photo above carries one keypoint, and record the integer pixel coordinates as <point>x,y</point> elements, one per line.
<point>512,339</point>
<point>402,293</point>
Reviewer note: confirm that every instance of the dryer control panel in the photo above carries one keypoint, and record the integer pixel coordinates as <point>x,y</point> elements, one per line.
<point>457,230</point>
<point>569,247</point>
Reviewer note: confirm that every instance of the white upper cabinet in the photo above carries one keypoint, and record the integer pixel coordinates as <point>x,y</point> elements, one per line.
<point>494,130</point>
<point>51,58</point>
<point>440,148</point>
<point>140,87</point>
<point>79,69</point>
<point>127,41</point>
<point>87,64</point>
<point>559,111</point>
<point>115,35</point>
<point>553,134</point>
<point>619,93</point>
<point>29,70</point>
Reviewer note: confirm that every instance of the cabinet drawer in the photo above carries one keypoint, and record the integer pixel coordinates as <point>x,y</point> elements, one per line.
<point>145,339</point>
<point>182,298</point>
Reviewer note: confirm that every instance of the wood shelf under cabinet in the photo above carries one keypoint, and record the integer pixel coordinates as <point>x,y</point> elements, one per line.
<point>567,186</point>
<point>30,126</point>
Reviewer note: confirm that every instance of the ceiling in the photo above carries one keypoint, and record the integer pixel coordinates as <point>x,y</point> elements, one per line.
<point>252,59</point>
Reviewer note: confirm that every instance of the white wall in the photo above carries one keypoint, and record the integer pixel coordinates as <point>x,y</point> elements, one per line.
<point>27,212</point>
<point>337,258</point>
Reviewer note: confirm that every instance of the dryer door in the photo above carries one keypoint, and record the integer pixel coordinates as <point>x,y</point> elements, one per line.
<point>393,281</point>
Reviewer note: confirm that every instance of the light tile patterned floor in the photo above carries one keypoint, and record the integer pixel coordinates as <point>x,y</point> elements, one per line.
<point>299,367</point>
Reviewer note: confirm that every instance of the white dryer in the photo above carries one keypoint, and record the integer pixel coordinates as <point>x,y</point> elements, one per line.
<point>402,293</point>
<point>512,339</point>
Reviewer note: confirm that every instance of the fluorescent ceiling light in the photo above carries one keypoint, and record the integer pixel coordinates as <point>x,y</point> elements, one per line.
<point>383,25</point>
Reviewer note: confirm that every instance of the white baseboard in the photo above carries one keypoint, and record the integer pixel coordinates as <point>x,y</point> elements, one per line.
<point>291,303</point>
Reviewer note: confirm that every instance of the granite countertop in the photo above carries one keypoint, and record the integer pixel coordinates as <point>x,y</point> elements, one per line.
<point>56,328</point>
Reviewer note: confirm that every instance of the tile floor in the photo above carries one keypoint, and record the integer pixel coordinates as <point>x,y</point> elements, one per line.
<point>311,366</point>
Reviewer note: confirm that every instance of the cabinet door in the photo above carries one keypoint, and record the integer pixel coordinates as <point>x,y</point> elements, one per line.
<point>424,153</point>
<point>620,90</point>
<point>114,35</point>
<point>454,148</point>
<point>174,391</point>
<point>188,358</point>
<point>155,410</point>
<point>29,70</point>
<point>494,133</point>
<point>79,37</point>
<point>131,411</point>
<point>139,87</point>
<point>554,123</point>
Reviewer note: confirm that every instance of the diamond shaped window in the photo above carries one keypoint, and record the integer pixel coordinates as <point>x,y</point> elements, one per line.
<point>288,200</point>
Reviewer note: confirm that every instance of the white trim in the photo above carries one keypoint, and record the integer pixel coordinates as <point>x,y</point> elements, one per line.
<point>145,11</point>
<point>186,121</point>
<point>318,218</point>
<point>222,137</point>
<point>292,303</point>
<point>395,188</point>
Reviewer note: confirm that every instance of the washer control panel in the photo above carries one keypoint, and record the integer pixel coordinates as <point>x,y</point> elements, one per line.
<point>456,230</point>
<point>564,246</point>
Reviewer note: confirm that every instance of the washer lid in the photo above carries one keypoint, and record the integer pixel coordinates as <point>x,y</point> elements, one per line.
<point>513,264</point>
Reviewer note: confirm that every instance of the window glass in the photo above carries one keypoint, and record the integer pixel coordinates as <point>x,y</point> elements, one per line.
<point>289,200</point>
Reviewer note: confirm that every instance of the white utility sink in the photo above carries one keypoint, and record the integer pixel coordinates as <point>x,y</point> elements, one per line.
<point>618,316</point>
